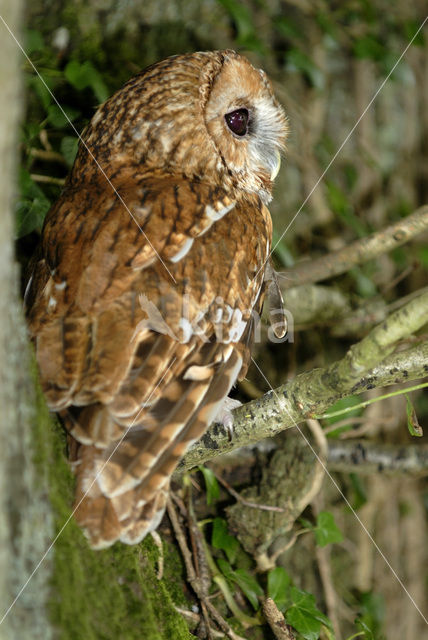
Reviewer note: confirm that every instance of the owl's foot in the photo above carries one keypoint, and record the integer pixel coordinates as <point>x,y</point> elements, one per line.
<point>224,415</point>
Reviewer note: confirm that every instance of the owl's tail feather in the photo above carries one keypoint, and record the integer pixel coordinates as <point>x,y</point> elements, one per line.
<point>122,489</point>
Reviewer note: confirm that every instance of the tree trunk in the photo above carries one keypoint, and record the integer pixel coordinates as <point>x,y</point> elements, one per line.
<point>25,518</point>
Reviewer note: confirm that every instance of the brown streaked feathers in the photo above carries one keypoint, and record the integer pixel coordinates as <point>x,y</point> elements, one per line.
<point>151,264</point>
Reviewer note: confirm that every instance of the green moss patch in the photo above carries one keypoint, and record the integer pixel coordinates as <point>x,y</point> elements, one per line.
<point>102,595</point>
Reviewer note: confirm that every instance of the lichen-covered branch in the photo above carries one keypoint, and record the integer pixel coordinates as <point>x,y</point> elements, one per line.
<point>380,342</point>
<point>368,364</point>
<point>315,303</point>
<point>358,252</point>
<point>366,457</point>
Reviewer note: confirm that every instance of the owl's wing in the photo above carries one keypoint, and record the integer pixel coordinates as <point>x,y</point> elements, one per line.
<point>140,331</point>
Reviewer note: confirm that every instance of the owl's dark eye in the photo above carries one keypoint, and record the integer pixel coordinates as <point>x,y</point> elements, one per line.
<point>237,121</point>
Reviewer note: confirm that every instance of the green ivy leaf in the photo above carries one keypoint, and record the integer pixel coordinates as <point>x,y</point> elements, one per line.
<point>326,530</point>
<point>33,41</point>
<point>288,28</point>
<point>304,615</point>
<point>221,539</point>
<point>423,256</point>
<point>211,484</point>
<point>84,75</point>
<point>278,585</point>
<point>413,425</point>
<point>247,33</point>
<point>245,581</point>
<point>365,285</point>
<point>60,118</point>
<point>29,131</point>
<point>300,61</point>
<point>225,568</point>
<point>410,28</point>
<point>41,90</point>
<point>369,47</point>
<point>327,24</point>
<point>360,494</point>
<point>281,250</point>
<point>340,203</point>
<point>31,207</point>
<point>249,585</point>
<point>69,145</point>
<point>307,626</point>
<point>372,614</point>
<point>368,634</point>
<point>344,403</point>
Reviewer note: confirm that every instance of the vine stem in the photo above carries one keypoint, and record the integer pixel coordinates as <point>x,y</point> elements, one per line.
<point>361,405</point>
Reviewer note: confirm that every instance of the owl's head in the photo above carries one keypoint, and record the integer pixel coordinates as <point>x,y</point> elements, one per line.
<point>209,116</point>
<point>246,124</point>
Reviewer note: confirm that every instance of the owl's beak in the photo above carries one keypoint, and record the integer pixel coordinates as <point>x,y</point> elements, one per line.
<point>276,167</point>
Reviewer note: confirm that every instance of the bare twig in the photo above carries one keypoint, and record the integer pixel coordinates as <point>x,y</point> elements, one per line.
<point>47,155</point>
<point>195,619</point>
<point>47,179</point>
<point>237,496</point>
<point>158,542</point>
<point>191,574</point>
<point>358,252</point>
<point>222,622</point>
<point>200,563</point>
<point>323,555</point>
<point>366,457</point>
<point>276,621</point>
<point>44,139</point>
<point>181,539</point>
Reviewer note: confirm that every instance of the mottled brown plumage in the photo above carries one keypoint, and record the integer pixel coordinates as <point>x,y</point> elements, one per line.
<point>151,264</point>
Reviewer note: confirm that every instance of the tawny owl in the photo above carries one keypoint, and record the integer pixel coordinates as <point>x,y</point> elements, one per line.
<point>150,266</point>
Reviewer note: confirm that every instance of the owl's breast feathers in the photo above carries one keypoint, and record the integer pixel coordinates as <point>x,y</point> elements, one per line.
<point>141,308</point>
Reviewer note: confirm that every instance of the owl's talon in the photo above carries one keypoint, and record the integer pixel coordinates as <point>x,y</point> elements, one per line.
<point>225,417</point>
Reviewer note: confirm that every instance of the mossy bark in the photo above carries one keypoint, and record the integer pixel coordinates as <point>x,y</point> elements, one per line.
<point>52,585</point>
<point>24,512</point>
<point>106,594</point>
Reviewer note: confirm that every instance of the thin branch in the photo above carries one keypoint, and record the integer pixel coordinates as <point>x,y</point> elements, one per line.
<point>366,403</point>
<point>323,557</point>
<point>247,503</point>
<point>276,621</point>
<point>358,456</point>
<point>316,303</point>
<point>195,582</point>
<point>47,179</point>
<point>47,155</point>
<point>358,252</point>
<point>367,365</point>
<point>365,317</point>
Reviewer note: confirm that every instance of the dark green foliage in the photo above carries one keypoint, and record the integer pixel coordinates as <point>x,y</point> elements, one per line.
<point>32,205</point>
<point>211,485</point>
<point>221,539</point>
